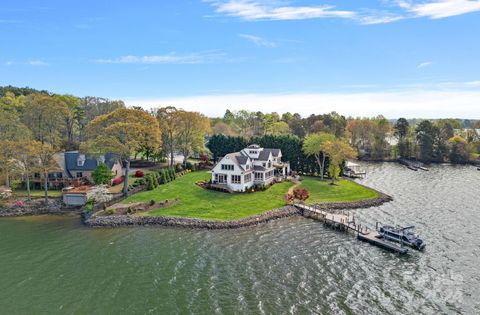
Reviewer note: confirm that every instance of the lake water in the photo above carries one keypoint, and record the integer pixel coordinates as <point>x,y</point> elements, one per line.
<point>51,265</point>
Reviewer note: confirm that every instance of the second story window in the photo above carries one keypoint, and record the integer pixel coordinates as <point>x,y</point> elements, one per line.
<point>81,160</point>
<point>227,167</point>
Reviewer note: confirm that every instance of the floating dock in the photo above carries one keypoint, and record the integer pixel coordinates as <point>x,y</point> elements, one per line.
<point>413,165</point>
<point>345,222</point>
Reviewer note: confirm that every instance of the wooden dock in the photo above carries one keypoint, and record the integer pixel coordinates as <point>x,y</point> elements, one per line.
<point>413,165</point>
<point>345,222</point>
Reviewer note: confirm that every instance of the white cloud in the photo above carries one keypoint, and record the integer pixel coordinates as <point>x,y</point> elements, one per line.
<point>442,8</point>
<point>37,63</point>
<point>258,40</point>
<point>407,103</point>
<point>253,10</point>
<point>424,64</point>
<point>193,58</point>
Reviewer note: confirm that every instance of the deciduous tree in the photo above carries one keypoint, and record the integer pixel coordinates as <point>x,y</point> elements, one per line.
<point>122,132</point>
<point>45,162</point>
<point>314,144</point>
<point>338,151</point>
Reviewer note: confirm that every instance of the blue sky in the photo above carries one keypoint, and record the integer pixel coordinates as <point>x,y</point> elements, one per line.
<point>391,57</point>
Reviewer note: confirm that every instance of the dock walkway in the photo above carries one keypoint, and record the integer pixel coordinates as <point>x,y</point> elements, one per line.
<point>345,222</point>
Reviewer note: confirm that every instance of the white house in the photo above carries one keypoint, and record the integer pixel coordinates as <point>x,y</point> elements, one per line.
<point>250,167</point>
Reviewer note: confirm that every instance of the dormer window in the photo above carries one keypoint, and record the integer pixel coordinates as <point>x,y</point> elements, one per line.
<point>81,160</point>
<point>253,152</point>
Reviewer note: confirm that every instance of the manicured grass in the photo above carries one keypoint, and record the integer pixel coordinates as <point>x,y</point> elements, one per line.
<point>196,202</point>
<point>345,190</point>
<point>38,193</point>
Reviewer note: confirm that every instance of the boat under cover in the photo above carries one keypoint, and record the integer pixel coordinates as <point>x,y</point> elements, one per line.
<point>402,235</point>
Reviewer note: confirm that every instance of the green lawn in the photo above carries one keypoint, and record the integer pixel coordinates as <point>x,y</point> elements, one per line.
<point>196,202</point>
<point>38,193</point>
<point>345,190</point>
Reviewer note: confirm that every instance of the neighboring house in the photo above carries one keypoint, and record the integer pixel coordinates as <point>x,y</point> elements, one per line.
<point>78,165</point>
<point>250,167</point>
<point>75,166</point>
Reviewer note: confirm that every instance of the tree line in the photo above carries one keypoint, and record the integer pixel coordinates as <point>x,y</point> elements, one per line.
<point>34,125</point>
<point>375,138</point>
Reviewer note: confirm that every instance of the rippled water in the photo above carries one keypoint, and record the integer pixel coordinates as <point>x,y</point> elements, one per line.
<point>55,266</point>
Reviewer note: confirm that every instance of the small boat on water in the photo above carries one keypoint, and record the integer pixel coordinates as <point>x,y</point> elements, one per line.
<point>402,235</point>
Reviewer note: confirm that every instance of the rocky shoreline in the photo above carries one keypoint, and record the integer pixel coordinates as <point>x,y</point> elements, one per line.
<point>55,207</point>
<point>94,220</point>
<point>98,221</point>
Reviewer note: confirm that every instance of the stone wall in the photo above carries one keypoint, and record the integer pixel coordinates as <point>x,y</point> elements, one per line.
<point>93,220</point>
<point>55,206</point>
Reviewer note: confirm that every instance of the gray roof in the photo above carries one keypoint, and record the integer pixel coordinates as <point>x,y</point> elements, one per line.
<point>263,156</point>
<point>259,168</point>
<point>241,159</point>
<point>71,162</point>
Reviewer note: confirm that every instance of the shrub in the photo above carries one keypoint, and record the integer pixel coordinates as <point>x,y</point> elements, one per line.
<point>131,210</point>
<point>102,175</point>
<point>89,205</point>
<point>289,198</point>
<point>117,181</point>
<point>19,203</point>
<point>139,173</point>
<point>172,174</point>
<point>178,167</point>
<point>99,194</point>
<point>194,167</point>
<point>167,176</point>
<point>141,181</point>
<point>150,182</point>
<point>110,211</point>
<point>301,194</point>
<point>188,165</point>
<point>152,202</point>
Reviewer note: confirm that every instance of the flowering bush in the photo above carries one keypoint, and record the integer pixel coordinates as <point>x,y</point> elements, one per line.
<point>289,198</point>
<point>99,193</point>
<point>117,181</point>
<point>139,173</point>
<point>19,203</point>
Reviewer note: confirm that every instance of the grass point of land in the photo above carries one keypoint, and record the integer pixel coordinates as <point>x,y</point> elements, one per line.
<point>197,202</point>
<point>200,203</point>
<point>343,191</point>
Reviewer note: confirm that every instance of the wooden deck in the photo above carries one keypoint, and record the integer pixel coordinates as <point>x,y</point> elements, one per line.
<point>346,222</point>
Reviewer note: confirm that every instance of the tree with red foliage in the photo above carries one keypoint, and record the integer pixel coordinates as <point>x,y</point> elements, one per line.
<point>139,173</point>
<point>301,194</point>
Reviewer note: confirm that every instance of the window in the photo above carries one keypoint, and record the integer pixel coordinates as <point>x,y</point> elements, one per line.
<point>253,152</point>
<point>79,174</point>
<point>220,178</point>
<point>264,164</point>
<point>258,176</point>
<point>81,160</point>
<point>247,167</point>
<point>269,163</point>
<point>269,174</point>
<point>236,179</point>
<point>248,178</point>
<point>227,167</point>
